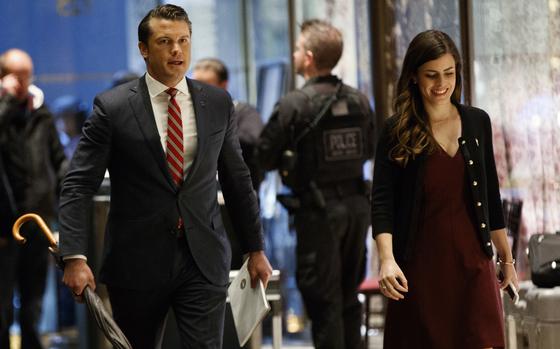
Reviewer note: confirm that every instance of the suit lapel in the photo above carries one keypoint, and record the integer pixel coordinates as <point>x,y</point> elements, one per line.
<point>139,100</point>
<point>199,101</point>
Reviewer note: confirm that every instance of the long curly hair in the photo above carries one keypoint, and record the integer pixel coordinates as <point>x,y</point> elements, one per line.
<point>411,133</point>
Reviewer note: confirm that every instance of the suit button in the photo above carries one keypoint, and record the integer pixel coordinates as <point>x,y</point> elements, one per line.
<point>483,225</point>
<point>471,162</point>
<point>478,203</point>
<point>474,183</point>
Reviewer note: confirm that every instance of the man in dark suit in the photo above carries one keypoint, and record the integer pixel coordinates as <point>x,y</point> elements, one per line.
<point>163,138</point>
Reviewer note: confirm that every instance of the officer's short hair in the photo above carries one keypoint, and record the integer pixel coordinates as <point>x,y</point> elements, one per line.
<point>324,41</point>
<point>215,65</point>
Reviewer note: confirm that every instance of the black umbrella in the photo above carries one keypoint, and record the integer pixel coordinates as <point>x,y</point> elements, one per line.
<point>94,304</point>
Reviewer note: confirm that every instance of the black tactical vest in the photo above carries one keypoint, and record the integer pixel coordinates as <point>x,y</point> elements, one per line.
<point>336,149</point>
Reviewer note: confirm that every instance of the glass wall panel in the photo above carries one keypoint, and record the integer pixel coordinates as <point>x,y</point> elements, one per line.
<point>517,81</point>
<point>272,57</point>
<point>76,46</point>
<point>341,14</point>
<point>413,17</point>
<point>218,32</point>
<point>270,51</point>
<point>270,30</point>
<point>351,17</point>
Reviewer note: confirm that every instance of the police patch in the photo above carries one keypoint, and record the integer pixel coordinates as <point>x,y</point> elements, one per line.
<point>343,144</point>
<point>339,108</point>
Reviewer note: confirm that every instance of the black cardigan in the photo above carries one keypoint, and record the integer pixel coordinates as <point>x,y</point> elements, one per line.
<point>398,195</point>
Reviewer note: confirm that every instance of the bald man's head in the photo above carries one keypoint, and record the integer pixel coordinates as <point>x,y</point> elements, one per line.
<point>17,64</point>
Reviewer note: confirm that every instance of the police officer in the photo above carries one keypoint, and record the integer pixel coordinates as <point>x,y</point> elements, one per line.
<point>319,138</point>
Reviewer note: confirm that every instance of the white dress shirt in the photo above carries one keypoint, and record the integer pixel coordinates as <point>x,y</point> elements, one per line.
<point>160,99</point>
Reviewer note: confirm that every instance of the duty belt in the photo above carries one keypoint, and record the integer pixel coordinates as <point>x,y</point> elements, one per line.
<point>342,189</point>
<point>337,190</point>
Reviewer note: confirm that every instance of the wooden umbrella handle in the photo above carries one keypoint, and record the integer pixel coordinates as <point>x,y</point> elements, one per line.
<point>33,217</point>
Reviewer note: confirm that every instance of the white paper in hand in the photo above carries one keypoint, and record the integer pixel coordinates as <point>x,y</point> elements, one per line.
<point>249,306</point>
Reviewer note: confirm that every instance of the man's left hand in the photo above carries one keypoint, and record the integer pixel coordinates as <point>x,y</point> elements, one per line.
<point>259,268</point>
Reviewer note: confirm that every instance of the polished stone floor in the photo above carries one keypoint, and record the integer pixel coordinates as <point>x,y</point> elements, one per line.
<point>68,340</point>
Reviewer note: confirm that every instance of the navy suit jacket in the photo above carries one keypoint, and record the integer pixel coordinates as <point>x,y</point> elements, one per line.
<point>121,136</point>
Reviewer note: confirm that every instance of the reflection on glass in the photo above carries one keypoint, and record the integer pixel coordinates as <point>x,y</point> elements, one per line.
<point>272,56</point>
<point>271,86</point>
<point>270,29</point>
<point>217,32</point>
<point>413,17</point>
<point>516,75</point>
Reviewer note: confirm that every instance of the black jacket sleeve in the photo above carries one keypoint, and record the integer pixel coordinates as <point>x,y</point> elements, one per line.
<point>385,180</point>
<point>273,141</point>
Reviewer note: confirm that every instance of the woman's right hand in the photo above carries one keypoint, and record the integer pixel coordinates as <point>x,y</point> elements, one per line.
<point>392,281</point>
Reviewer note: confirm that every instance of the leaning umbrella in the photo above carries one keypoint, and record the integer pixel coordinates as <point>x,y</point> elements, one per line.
<point>94,304</point>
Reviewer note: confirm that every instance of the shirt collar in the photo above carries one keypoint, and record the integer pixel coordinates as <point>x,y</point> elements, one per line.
<point>155,87</point>
<point>322,79</point>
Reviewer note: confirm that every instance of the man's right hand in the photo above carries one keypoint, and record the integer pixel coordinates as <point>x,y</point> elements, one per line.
<point>78,275</point>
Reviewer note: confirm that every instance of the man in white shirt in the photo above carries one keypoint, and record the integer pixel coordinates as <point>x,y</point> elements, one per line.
<point>163,138</point>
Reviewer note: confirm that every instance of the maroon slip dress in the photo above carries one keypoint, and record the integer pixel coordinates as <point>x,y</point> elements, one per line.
<point>454,298</point>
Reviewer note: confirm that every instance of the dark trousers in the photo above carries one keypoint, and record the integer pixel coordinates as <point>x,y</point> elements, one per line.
<point>24,267</point>
<point>330,266</point>
<point>198,306</point>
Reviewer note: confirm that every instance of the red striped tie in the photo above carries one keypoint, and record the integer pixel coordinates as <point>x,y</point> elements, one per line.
<point>174,143</point>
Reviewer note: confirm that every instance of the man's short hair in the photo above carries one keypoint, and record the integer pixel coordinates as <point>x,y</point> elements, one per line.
<point>171,12</point>
<point>324,41</point>
<point>215,65</point>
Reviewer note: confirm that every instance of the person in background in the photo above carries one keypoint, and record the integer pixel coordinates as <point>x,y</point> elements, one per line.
<point>70,115</point>
<point>249,123</point>
<point>32,164</point>
<point>437,210</point>
<point>321,161</point>
<point>163,138</point>
<point>122,77</point>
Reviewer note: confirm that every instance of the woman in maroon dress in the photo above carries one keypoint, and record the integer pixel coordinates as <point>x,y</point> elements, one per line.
<point>437,210</point>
